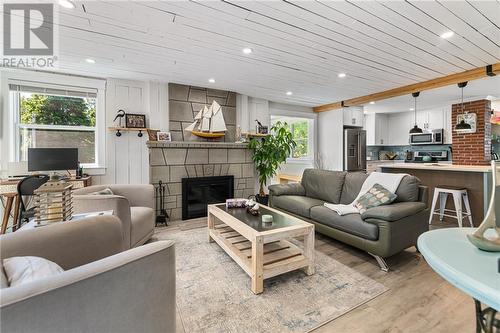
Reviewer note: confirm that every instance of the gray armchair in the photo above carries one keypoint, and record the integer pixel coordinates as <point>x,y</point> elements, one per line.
<point>132,204</point>
<point>102,288</point>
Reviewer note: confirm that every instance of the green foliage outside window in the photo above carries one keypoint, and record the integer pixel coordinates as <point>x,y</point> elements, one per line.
<point>57,110</point>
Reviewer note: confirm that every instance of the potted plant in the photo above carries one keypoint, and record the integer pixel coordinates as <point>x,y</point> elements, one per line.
<point>269,153</point>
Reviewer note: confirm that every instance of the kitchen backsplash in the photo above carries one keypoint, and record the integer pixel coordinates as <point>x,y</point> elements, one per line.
<point>379,152</point>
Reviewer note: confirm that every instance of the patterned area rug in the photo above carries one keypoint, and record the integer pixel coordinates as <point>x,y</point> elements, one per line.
<point>213,292</point>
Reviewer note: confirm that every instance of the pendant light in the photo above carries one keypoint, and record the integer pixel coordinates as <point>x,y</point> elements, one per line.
<point>462,125</point>
<point>415,128</point>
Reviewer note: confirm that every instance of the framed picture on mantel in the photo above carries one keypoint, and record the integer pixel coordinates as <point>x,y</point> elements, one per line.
<point>469,118</point>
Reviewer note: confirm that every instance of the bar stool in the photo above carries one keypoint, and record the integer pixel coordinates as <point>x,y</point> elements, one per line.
<point>459,194</point>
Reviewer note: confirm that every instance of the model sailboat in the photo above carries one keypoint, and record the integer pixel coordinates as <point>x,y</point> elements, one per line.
<point>209,122</point>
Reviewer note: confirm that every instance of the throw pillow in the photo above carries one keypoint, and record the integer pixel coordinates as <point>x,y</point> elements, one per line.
<point>21,270</point>
<point>106,191</point>
<point>376,196</point>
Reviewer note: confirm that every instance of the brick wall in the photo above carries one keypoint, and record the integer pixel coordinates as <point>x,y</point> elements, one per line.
<point>473,148</point>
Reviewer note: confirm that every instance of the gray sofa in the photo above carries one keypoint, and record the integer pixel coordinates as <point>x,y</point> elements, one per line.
<point>102,288</point>
<point>381,231</point>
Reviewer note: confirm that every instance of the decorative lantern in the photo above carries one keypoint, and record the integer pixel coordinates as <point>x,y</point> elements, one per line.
<point>53,202</point>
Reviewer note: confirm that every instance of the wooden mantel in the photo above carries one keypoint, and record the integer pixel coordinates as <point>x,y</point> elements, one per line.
<point>469,75</point>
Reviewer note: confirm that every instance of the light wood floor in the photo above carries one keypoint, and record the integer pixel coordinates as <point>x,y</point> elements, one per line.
<point>418,300</point>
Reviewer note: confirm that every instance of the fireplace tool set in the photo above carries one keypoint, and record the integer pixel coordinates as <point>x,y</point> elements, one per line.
<point>160,195</point>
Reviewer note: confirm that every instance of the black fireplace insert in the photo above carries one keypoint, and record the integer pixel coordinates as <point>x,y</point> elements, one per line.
<point>199,192</point>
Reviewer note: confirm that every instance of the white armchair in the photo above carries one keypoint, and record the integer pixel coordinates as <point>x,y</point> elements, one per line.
<point>133,204</point>
<point>101,290</point>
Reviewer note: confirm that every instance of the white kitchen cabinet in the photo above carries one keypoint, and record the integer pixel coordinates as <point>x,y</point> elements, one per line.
<point>376,127</point>
<point>399,128</point>
<point>353,116</point>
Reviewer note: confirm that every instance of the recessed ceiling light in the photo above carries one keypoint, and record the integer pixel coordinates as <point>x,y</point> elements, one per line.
<point>412,109</point>
<point>211,80</point>
<point>341,75</point>
<point>447,34</point>
<point>90,60</point>
<point>67,4</point>
<point>247,50</point>
<point>289,93</point>
<point>372,102</point>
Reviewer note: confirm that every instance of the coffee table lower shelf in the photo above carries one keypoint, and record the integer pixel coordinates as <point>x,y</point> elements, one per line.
<point>277,257</point>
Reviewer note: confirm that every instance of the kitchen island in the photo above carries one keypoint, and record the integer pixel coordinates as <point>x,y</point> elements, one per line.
<point>476,178</point>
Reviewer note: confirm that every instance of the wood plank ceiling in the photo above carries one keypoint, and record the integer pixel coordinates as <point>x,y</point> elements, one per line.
<point>298,46</point>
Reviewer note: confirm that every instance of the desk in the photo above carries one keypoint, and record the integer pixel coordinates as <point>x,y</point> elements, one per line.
<point>475,272</point>
<point>8,189</point>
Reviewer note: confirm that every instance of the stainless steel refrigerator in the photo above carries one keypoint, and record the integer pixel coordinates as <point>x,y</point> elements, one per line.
<point>354,149</point>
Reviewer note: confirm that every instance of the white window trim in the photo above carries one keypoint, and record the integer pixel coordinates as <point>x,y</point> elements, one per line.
<point>9,132</point>
<point>312,133</point>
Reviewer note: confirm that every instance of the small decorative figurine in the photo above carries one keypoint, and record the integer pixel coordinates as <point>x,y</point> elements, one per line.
<point>253,207</point>
<point>119,115</point>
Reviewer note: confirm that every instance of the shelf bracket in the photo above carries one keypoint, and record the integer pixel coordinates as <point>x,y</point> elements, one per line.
<point>139,134</point>
<point>118,133</point>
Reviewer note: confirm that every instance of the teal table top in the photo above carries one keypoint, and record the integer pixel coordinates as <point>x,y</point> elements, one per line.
<point>451,255</point>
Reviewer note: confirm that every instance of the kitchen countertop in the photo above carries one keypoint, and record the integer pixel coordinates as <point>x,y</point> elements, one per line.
<point>438,167</point>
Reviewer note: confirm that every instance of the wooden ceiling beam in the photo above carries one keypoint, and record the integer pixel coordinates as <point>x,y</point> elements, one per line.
<point>469,75</point>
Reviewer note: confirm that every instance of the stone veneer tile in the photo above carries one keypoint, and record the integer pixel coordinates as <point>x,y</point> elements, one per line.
<point>238,193</point>
<point>197,156</point>
<point>231,99</point>
<point>177,136</point>
<point>191,170</point>
<point>220,100</point>
<point>175,214</point>
<point>235,170</point>
<point>229,115</point>
<point>236,155</point>
<point>175,156</point>
<point>217,155</point>
<point>177,172</point>
<point>247,170</point>
<point>174,188</point>
<point>197,96</point>
<point>230,134</point>
<point>248,155</point>
<point>250,183</point>
<point>178,91</point>
<point>179,201</point>
<point>180,111</point>
<point>199,170</point>
<point>217,168</point>
<point>208,170</point>
<point>158,173</point>
<point>175,126</point>
<point>217,93</point>
<point>156,157</point>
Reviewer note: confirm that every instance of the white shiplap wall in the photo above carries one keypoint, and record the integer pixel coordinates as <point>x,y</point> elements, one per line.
<point>127,155</point>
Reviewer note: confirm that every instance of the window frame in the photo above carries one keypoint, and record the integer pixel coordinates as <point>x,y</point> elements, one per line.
<point>312,120</point>
<point>57,81</point>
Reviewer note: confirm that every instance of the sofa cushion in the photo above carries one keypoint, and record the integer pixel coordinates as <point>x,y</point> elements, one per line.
<point>142,221</point>
<point>20,270</point>
<point>351,223</point>
<point>325,185</point>
<point>4,282</point>
<point>408,189</point>
<point>376,196</point>
<point>352,185</point>
<point>296,204</point>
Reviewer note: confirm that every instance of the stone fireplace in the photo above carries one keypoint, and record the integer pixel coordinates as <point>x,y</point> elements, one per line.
<point>170,162</point>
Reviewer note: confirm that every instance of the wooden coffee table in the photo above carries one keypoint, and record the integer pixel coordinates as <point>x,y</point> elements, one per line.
<point>262,249</point>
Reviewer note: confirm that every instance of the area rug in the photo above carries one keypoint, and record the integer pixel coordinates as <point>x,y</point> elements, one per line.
<point>213,292</point>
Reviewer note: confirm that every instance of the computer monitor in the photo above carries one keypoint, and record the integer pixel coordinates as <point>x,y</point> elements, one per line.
<point>52,159</point>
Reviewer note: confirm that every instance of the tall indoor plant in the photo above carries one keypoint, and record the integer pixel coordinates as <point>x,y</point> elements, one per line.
<point>270,152</point>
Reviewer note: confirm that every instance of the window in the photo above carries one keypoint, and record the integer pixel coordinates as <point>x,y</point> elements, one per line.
<point>301,129</point>
<point>45,117</point>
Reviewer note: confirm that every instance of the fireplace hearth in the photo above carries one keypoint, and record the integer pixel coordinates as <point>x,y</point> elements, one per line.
<point>199,192</point>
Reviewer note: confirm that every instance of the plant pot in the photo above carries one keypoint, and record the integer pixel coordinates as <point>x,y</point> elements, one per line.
<point>264,200</point>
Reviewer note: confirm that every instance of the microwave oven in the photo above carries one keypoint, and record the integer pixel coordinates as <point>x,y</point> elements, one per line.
<point>435,137</point>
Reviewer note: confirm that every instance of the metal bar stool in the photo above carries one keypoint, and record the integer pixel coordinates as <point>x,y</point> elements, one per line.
<point>460,195</point>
